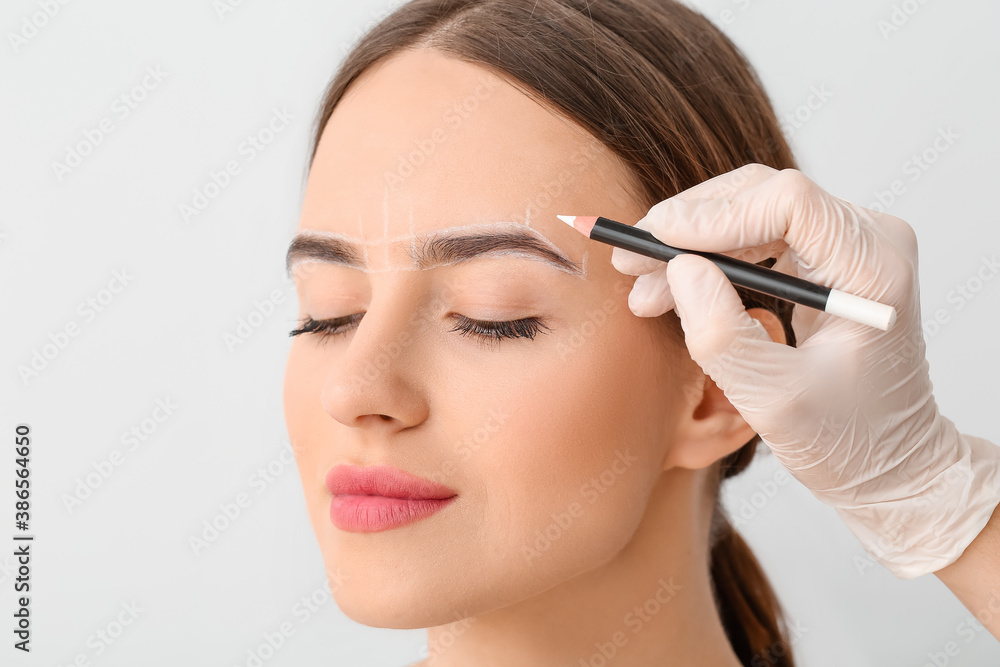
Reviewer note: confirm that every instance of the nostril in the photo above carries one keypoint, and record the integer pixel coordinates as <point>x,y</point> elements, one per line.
<point>385,417</point>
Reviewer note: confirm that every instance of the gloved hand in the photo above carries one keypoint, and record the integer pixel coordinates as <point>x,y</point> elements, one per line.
<point>849,411</point>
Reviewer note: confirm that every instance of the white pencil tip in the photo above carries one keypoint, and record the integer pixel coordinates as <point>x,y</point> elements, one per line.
<point>568,219</point>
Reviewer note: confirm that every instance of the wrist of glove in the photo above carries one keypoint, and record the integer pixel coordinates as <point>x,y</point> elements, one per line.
<point>953,486</point>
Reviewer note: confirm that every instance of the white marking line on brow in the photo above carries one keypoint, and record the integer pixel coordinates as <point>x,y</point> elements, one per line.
<point>505,224</point>
<point>514,253</point>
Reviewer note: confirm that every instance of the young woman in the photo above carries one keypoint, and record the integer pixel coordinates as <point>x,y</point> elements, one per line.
<point>492,445</point>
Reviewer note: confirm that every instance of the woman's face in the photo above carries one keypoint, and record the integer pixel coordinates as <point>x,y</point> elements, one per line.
<point>552,444</point>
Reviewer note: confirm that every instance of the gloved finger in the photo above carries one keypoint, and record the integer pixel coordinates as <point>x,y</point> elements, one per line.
<point>650,295</point>
<point>832,239</point>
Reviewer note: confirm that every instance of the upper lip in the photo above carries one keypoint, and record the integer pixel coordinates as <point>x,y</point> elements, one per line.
<point>383,480</point>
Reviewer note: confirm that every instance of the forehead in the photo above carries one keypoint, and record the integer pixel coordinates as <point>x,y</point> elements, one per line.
<point>423,143</point>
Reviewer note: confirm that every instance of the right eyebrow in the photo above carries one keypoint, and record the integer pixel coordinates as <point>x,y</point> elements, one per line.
<point>434,250</point>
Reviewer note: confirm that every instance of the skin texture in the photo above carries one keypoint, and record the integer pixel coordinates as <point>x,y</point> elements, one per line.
<point>601,391</point>
<point>973,577</point>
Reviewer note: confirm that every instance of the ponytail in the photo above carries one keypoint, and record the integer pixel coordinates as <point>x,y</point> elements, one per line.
<point>748,606</point>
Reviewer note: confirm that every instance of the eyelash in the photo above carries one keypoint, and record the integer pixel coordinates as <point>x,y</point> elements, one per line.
<point>486,331</point>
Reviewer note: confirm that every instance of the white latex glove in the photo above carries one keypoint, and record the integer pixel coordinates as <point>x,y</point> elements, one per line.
<point>849,410</point>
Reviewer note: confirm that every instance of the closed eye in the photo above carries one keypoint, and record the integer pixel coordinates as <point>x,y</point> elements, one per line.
<point>487,331</point>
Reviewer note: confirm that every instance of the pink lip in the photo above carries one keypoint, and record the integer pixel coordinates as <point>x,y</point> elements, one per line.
<point>375,498</point>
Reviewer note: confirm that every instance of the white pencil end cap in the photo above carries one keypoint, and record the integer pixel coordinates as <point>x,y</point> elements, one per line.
<point>859,309</point>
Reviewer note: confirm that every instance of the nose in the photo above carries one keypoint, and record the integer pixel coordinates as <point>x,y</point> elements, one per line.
<point>377,381</point>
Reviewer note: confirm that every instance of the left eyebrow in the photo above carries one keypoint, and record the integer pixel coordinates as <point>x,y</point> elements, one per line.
<point>431,251</point>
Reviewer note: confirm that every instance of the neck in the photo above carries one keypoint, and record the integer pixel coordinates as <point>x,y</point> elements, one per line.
<point>651,604</point>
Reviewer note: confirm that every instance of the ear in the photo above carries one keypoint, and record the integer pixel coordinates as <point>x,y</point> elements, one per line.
<point>707,426</point>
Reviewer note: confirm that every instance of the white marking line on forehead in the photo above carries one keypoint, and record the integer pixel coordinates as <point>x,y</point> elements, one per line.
<point>385,223</point>
<point>412,238</point>
<point>363,243</point>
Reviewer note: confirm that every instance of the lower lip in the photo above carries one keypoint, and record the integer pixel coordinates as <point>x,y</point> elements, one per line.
<point>371,514</point>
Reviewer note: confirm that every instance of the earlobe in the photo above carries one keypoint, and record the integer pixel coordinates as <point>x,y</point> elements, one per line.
<point>708,426</point>
<point>708,429</point>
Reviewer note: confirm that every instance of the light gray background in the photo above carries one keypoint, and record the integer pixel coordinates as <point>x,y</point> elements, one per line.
<point>162,337</point>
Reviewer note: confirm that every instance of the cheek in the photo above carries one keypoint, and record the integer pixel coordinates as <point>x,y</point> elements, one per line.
<point>566,476</point>
<point>301,395</point>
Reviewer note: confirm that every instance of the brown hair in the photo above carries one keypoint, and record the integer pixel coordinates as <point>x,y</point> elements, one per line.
<point>664,90</point>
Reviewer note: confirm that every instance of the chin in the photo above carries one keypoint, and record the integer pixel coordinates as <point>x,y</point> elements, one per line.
<point>385,592</point>
<point>367,605</point>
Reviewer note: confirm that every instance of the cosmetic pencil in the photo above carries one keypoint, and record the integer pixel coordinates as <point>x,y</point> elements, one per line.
<point>751,276</point>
